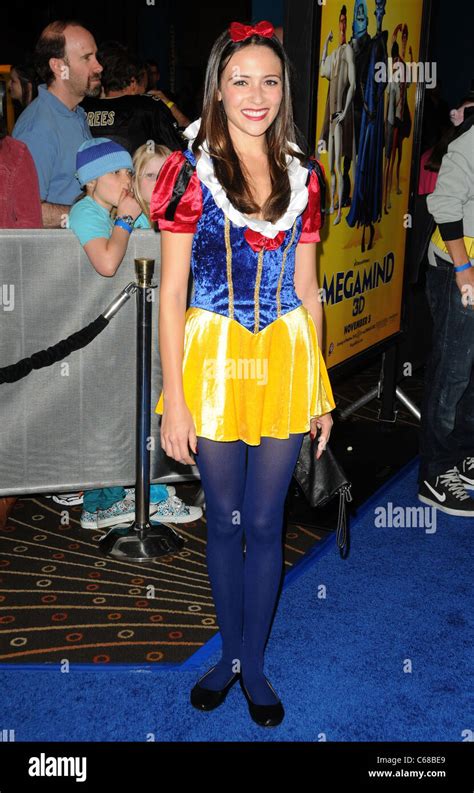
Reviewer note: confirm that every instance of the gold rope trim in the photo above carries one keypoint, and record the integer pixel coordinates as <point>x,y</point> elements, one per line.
<point>256,295</point>
<point>228,256</point>
<point>280,280</point>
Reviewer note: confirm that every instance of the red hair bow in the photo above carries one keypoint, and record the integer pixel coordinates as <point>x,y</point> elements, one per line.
<point>239,32</point>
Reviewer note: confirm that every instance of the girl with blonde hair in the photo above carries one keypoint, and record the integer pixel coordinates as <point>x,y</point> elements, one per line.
<point>147,162</point>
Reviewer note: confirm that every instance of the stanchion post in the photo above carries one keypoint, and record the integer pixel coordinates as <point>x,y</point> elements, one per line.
<point>142,541</point>
<point>144,269</point>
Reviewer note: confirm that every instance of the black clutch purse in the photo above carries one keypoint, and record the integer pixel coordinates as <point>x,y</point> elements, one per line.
<point>321,480</point>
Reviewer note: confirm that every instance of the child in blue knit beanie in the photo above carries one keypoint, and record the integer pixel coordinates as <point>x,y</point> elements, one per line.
<point>104,171</point>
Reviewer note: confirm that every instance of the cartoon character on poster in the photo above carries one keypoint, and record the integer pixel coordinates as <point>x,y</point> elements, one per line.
<point>398,123</point>
<point>366,205</point>
<point>360,43</point>
<point>338,125</point>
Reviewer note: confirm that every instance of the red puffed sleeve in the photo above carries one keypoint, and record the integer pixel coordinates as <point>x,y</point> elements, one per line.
<point>176,201</point>
<point>312,219</point>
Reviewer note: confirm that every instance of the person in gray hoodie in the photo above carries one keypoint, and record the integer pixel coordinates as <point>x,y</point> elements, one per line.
<point>446,473</point>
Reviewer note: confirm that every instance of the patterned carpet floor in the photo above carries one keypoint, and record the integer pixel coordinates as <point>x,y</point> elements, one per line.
<point>62,600</point>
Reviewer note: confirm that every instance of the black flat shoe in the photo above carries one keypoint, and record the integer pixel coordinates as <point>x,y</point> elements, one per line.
<point>205,699</point>
<point>264,715</point>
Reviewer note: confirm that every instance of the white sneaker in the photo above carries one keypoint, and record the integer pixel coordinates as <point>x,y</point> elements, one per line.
<point>69,499</point>
<point>447,493</point>
<point>466,472</point>
<point>121,512</point>
<point>174,510</point>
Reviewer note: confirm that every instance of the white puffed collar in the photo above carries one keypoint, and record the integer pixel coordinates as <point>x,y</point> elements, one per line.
<point>297,174</point>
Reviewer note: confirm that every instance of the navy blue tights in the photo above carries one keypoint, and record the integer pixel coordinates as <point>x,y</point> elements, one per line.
<point>245,489</point>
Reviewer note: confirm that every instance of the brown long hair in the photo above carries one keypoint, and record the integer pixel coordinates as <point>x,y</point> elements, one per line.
<point>215,131</point>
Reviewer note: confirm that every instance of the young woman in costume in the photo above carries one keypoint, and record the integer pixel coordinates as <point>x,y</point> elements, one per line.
<point>243,374</point>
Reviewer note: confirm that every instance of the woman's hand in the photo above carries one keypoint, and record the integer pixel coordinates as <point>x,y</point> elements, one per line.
<point>177,431</point>
<point>325,422</point>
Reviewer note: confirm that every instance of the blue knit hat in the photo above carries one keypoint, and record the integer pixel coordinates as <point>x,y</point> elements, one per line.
<point>99,156</point>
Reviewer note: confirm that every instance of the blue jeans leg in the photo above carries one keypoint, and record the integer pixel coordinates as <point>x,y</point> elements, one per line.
<point>447,420</point>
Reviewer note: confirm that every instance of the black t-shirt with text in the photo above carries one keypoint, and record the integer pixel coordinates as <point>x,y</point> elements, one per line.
<point>132,120</point>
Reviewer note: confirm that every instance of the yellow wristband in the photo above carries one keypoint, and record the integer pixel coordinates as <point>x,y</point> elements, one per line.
<point>169,104</point>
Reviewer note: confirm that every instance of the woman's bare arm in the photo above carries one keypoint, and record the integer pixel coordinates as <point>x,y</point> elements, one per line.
<point>177,428</point>
<point>307,289</point>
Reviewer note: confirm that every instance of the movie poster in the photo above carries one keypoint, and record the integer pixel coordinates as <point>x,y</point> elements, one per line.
<point>369,69</point>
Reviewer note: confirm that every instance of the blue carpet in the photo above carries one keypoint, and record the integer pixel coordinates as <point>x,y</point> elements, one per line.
<point>376,647</point>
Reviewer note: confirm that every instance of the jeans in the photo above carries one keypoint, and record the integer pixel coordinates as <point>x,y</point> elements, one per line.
<point>447,415</point>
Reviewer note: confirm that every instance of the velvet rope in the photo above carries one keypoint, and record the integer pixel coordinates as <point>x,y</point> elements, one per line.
<point>78,340</point>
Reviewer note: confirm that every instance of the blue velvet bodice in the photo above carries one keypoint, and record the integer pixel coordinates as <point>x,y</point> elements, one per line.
<point>225,281</point>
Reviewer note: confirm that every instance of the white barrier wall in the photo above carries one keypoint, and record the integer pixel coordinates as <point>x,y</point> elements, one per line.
<point>71,426</point>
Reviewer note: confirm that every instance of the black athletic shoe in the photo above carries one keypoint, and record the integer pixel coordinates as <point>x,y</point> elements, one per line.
<point>447,493</point>
<point>466,472</point>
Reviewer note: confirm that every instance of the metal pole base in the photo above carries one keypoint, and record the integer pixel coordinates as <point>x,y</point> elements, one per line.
<point>136,543</point>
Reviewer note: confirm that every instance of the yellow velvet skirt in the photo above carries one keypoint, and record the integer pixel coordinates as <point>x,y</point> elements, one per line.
<point>241,385</point>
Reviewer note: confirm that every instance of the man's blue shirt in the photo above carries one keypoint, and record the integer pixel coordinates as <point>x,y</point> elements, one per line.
<point>53,134</point>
